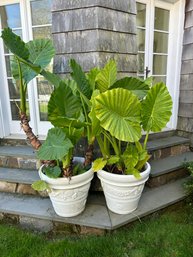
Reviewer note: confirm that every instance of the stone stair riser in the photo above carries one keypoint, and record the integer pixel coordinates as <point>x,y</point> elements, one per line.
<point>19,162</point>
<point>169,151</point>
<point>49,226</point>
<point>19,188</point>
<point>167,178</point>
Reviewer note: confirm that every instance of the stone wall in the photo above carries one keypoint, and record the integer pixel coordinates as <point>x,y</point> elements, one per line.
<point>94,31</point>
<point>185,119</point>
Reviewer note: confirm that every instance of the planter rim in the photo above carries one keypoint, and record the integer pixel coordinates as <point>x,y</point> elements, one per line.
<point>68,182</point>
<point>118,178</point>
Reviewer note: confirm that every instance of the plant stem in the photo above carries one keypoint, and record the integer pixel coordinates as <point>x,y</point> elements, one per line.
<point>22,90</point>
<point>106,145</point>
<point>115,146</point>
<point>145,141</point>
<point>89,155</point>
<point>101,145</point>
<point>86,117</point>
<point>120,146</point>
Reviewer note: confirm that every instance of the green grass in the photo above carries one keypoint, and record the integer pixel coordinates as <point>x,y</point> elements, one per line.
<point>166,235</point>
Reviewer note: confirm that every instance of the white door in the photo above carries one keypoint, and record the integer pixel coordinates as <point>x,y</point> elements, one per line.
<point>30,20</point>
<point>159,37</point>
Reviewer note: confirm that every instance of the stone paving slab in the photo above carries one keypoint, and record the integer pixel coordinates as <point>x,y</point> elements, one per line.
<point>166,165</point>
<point>18,175</point>
<point>19,151</point>
<point>96,213</point>
<point>166,142</point>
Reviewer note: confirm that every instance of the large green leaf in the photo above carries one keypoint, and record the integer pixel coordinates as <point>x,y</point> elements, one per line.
<point>83,85</point>
<point>41,51</point>
<point>74,134</point>
<point>99,164</point>
<point>156,108</point>
<point>135,85</point>
<point>91,76</point>
<point>64,108</point>
<point>65,101</point>
<point>96,128</point>
<point>15,44</point>
<point>41,185</point>
<point>52,172</point>
<point>56,146</point>
<point>51,77</point>
<point>62,122</point>
<point>19,48</point>
<point>107,76</point>
<point>130,157</point>
<point>119,113</point>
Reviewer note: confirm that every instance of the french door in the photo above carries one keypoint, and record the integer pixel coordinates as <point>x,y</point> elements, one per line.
<point>30,20</point>
<point>159,39</point>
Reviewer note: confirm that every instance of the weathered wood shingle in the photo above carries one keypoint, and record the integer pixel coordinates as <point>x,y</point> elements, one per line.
<point>185,114</point>
<point>93,32</point>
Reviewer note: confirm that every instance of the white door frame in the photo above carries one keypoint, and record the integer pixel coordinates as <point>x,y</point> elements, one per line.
<point>175,44</point>
<point>11,126</point>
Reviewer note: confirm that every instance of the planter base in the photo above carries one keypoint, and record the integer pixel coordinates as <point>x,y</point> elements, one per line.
<point>123,192</point>
<point>68,196</point>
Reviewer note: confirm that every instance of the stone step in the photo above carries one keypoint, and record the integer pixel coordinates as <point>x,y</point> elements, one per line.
<point>168,146</point>
<point>18,181</point>
<point>20,140</point>
<point>24,157</point>
<point>38,213</point>
<point>168,169</point>
<point>19,157</point>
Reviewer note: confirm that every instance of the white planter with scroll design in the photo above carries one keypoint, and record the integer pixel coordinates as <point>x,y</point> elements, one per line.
<point>69,195</point>
<point>122,192</point>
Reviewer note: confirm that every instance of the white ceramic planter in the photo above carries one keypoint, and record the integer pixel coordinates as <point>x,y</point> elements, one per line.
<point>122,192</point>
<point>68,196</point>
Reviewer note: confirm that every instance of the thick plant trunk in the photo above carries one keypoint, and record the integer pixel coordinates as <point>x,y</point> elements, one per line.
<point>34,141</point>
<point>89,155</point>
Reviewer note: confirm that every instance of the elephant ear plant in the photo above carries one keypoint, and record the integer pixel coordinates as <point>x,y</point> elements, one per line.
<point>68,110</point>
<point>67,107</point>
<point>121,110</point>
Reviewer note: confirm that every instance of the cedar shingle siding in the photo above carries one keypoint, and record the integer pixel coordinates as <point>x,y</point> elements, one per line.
<point>185,119</point>
<point>93,31</point>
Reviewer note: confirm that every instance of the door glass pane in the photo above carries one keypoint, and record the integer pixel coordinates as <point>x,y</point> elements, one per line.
<point>159,65</point>
<point>43,32</point>
<point>41,16</point>
<point>140,62</point>
<point>160,44</point>
<point>161,19</point>
<point>44,92</point>
<point>15,111</point>
<point>158,79</point>
<point>8,60</point>
<point>43,109</point>
<point>141,14</point>
<point>41,12</point>
<point>10,16</point>
<point>141,39</point>
<point>141,31</point>
<point>13,89</point>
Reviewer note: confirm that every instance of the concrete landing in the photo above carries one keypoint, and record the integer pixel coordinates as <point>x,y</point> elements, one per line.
<point>96,214</point>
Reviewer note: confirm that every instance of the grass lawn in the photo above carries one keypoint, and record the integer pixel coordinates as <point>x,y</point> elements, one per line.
<point>169,234</point>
